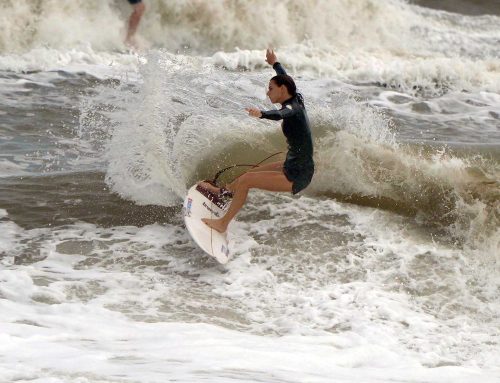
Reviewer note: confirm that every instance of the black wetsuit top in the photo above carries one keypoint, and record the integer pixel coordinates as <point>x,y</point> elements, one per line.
<point>299,165</point>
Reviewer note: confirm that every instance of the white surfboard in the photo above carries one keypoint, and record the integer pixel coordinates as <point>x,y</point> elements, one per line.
<point>200,203</point>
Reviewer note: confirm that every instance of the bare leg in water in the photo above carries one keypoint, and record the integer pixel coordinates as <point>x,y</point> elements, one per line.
<point>265,180</point>
<point>133,22</point>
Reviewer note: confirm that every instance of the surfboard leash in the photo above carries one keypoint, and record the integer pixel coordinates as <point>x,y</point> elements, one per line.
<point>214,182</point>
<point>220,172</point>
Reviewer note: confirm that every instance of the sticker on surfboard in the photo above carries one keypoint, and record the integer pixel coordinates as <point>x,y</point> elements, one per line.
<point>200,203</point>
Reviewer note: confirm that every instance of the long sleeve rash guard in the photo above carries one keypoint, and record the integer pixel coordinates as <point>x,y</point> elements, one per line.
<point>296,128</point>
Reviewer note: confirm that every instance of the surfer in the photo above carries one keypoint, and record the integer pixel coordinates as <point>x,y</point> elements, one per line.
<point>291,175</point>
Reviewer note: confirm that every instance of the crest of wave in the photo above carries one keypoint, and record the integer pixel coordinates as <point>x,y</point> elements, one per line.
<point>378,27</point>
<point>387,42</point>
<point>29,24</point>
<point>375,26</point>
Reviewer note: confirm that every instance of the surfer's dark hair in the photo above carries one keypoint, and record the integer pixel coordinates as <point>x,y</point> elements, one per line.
<point>286,80</point>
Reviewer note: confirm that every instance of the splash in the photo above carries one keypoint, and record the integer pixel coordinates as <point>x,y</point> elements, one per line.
<point>180,126</point>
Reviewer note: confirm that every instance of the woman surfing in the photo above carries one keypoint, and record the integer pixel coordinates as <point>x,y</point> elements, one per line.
<point>292,175</point>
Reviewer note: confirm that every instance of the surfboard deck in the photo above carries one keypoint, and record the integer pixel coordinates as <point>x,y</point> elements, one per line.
<point>200,203</point>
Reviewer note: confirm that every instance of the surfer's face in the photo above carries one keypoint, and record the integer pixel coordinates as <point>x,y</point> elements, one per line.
<point>276,94</point>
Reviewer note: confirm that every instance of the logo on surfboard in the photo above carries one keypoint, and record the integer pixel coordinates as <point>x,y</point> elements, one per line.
<point>187,210</point>
<point>211,210</point>
<point>224,250</point>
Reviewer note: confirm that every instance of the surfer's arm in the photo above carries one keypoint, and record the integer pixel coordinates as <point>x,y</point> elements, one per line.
<point>278,114</point>
<point>279,68</point>
<point>274,114</point>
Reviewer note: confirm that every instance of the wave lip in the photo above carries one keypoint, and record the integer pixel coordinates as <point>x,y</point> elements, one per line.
<point>362,25</point>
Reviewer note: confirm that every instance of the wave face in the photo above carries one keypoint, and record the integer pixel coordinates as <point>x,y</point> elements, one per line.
<point>181,126</point>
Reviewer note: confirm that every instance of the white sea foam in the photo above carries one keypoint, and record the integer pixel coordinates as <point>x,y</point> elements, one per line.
<point>434,75</point>
<point>350,26</point>
<point>9,239</point>
<point>364,301</point>
<point>80,59</point>
<point>354,41</point>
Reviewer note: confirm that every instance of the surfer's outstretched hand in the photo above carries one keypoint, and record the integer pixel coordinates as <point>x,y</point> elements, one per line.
<point>271,56</point>
<point>254,112</point>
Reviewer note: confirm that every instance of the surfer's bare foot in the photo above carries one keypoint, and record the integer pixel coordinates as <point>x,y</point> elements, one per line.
<point>215,224</point>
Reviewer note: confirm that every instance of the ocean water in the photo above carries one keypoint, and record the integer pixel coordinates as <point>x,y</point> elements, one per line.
<point>385,269</point>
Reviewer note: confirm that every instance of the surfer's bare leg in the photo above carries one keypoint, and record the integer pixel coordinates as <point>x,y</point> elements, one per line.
<point>134,21</point>
<point>266,180</point>
<point>272,167</point>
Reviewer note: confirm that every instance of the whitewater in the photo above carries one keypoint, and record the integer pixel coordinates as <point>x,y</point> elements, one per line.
<point>385,269</point>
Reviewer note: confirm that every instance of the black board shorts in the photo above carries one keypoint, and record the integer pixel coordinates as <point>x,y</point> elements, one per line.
<point>299,174</point>
<point>134,1</point>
